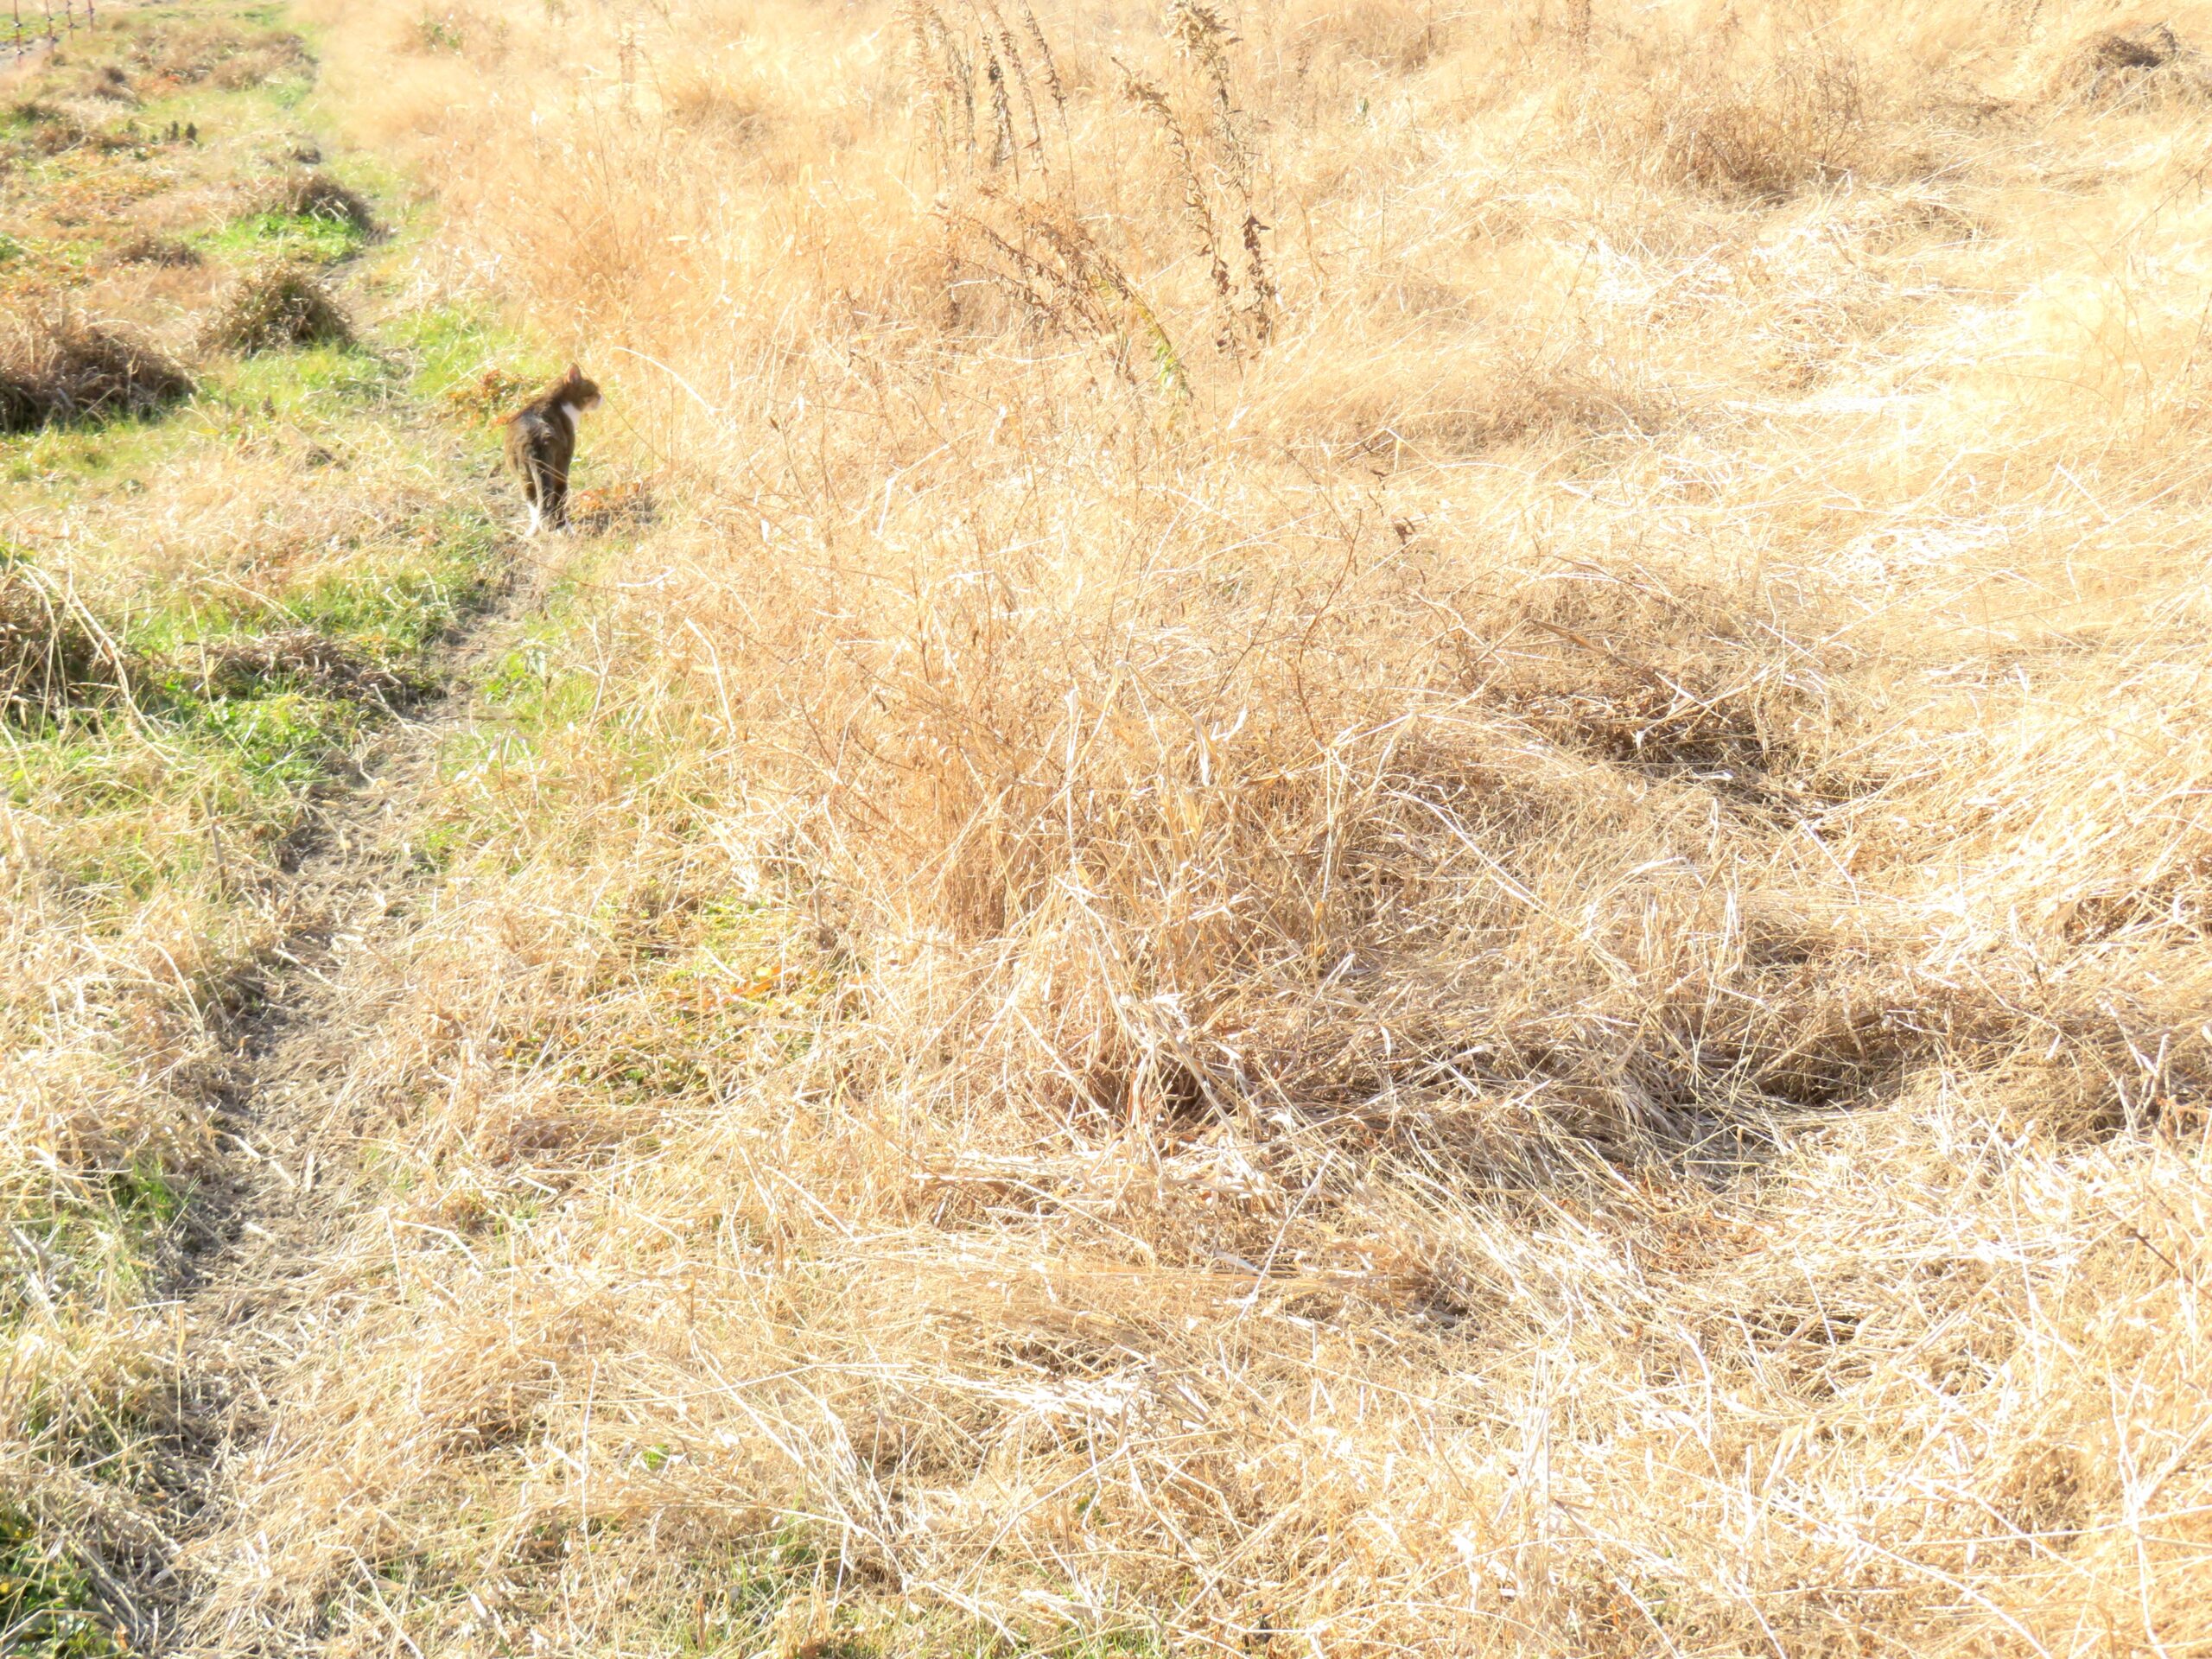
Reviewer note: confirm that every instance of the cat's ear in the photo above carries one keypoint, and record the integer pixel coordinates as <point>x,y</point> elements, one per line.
<point>575,372</point>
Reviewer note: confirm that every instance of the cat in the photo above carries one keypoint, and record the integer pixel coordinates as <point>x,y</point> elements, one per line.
<point>542,444</point>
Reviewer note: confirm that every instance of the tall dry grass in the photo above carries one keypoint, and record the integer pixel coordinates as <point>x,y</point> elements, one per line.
<point>1400,845</point>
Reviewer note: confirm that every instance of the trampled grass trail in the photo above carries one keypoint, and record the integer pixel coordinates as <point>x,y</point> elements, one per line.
<point>252,555</point>
<point>1357,829</point>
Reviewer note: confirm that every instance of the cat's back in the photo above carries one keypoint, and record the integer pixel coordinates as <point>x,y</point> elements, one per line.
<point>529,432</point>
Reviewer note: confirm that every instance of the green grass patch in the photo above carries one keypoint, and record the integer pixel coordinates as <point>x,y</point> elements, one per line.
<point>312,237</point>
<point>75,454</point>
<point>389,612</point>
<point>450,344</point>
<point>474,367</point>
<point>144,810</point>
<point>144,1194</point>
<point>404,609</point>
<point>219,110</point>
<point>46,1607</point>
<point>310,382</point>
<point>535,693</point>
<point>284,741</point>
<point>93,1243</point>
<point>737,1614</point>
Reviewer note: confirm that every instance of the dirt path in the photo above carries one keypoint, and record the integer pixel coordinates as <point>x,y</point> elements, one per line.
<point>250,1239</point>
<point>253,832</point>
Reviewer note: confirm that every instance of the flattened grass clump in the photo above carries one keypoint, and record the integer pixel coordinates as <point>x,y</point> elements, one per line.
<point>51,132</point>
<point>52,653</point>
<point>708,104</point>
<point>63,369</point>
<point>279,305</point>
<point>301,657</point>
<point>218,53</point>
<point>313,194</point>
<point>1671,682</point>
<point>2151,64</point>
<point>108,81</point>
<point>1802,119</point>
<point>147,249</point>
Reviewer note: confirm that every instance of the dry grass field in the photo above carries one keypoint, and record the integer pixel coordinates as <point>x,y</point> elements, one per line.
<point>1347,829</point>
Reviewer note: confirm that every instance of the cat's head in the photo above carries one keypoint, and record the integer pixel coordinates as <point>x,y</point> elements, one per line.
<point>578,392</point>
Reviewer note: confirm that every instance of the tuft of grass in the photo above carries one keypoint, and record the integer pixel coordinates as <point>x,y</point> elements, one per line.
<point>48,131</point>
<point>280,304</point>
<point>2150,64</point>
<point>148,249</point>
<point>1798,119</point>
<point>705,103</point>
<point>61,368</point>
<point>53,653</point>
<point>310,192</point>
<point>110,82</point>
